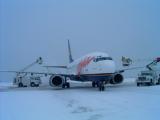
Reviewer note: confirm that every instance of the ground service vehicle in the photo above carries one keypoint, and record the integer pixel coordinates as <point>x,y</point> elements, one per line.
<point>25,81</point>
<point>150,76</point>
<point>22,79</point>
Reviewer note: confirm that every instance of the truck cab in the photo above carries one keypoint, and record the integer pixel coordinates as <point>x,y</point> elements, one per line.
<point>35,81</point>
<point>147,77</point>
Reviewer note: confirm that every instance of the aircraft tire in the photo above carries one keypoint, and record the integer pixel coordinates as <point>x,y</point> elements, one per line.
<point>68,85</point>
<point>158,81</point>
<point>101,86</point>
<point>63,86</point>
<point>149,84</point>
<point>97,84</point>
<point>93,84</point>
<point>32,84</point>
<point>20,85</point>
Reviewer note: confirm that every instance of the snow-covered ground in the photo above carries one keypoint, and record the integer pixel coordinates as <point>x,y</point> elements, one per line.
<point>81,102</point>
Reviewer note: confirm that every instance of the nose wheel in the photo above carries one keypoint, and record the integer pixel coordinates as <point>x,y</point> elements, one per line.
<point>101,86</point>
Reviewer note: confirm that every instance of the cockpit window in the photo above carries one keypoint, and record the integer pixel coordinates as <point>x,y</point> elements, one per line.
<point>102,58</point>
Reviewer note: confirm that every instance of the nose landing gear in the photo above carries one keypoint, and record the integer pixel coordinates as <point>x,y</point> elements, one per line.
<point>100,85</point>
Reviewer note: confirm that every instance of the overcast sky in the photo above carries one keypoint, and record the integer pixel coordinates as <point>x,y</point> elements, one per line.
<point>32,28</point>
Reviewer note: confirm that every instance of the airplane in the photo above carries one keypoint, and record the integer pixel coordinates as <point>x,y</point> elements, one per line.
<point>98,68</point>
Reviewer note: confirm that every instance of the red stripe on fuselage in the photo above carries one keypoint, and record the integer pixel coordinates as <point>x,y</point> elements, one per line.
<point>83,64</point>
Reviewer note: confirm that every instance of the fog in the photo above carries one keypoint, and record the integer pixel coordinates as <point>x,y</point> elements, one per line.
<point>33,28</point>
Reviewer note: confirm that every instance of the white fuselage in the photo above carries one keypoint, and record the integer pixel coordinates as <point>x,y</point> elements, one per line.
<point>94,63</point>
<point>98,68</point>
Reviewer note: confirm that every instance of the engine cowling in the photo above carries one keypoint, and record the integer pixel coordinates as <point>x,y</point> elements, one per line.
<point>56,80</point>
<point>117,79</point>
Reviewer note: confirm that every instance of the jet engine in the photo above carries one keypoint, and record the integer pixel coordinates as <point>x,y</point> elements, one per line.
<point>56,80</point>
<point>117,79</point>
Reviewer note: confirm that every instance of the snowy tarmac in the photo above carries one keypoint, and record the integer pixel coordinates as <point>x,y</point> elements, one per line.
<point>80,102</point>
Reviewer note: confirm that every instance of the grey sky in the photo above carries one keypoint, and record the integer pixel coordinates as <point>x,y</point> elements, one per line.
<point>32,28</point>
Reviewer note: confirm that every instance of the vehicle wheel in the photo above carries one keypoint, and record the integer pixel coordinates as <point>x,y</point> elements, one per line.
<point>149,84</point>
<point>138,84</point>
<point>63,86</point>
<point>152,82</point>
<point>32,84</point>
<point>20,85</point>
<point>93,84</point>
<point>158,82</point>
<point>68,85</point>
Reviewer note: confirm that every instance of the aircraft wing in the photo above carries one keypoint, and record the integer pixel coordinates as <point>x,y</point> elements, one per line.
<point>133,68</point>
<point>40,73</point>
<point>65,67</point>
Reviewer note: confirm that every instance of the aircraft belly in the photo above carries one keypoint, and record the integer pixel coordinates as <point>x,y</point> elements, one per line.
<point>96,77</point>
<point>93,77</point>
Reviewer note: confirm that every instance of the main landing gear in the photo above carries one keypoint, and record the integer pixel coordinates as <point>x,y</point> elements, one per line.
<point>100,85</point>
<point>65,84</point>
<point>95,84</point>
